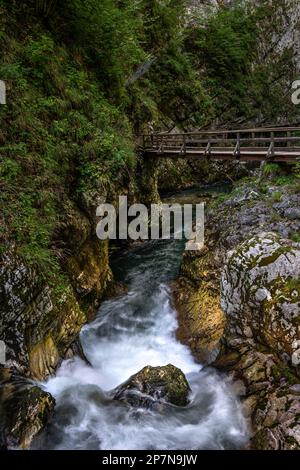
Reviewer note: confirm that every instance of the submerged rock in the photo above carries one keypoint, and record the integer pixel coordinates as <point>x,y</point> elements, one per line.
<point>154,384</point>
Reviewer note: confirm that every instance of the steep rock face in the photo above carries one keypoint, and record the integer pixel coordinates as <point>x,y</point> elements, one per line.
<point>87,261</point>
<point>288,30</point>
<point>260,293</point>
<point>148,180</point>
<point>36,325</point>
<point>258,336</point>
<point>154,384</point>
<point>40,316</point>
<point>197,300</point>
<point>269,392</point>
<point>228,223</point>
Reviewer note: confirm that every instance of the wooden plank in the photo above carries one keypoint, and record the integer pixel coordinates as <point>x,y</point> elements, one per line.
<point>263,150</point>
<point>261,155</point>
<point>233,131</point>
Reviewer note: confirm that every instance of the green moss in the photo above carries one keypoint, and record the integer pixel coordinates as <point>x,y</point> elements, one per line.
<point>167,382</point>
<point>295,237</point>
<point>293,284</point>
<point>281,393</point>
<point>292,442</point>
<point>280,371</point>
<point>285,180</point>
<point>275,255</point>
<point>277,196</point>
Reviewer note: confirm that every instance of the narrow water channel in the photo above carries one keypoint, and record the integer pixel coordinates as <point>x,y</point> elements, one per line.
<point>130,332</point>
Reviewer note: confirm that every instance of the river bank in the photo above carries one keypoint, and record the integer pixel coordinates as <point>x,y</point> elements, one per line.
<point>238,302</point>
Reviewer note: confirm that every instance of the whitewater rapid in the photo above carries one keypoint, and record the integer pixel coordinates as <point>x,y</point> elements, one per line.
<point>130,332</point>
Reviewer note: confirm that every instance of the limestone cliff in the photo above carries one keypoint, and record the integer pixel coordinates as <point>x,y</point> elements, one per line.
<point>240,296</point>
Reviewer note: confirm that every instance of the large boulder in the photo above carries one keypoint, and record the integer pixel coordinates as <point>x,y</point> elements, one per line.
<point>154,384</point>
<point>260,294</point>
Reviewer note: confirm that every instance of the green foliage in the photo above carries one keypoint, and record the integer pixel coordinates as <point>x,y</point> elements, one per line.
<point>106,35</point>
<point>226,49</point>
<point>296,238</point>
<point>263,188</point>
<point>60,132</point>
<point>181,95</point>
<point>163,21</point>
<point>271,169</point>
<point>73,106</point>
<point>66,128</point>
<point>277,196</point>
<point>297,170</point>
<point>283,180</point>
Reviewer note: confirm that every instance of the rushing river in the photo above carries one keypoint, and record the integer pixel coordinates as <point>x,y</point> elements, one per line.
<point>130,332</point>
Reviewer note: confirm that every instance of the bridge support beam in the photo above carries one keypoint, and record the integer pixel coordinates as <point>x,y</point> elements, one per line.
<point>149,168</point>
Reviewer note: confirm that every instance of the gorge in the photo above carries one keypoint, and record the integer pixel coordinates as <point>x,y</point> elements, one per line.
<point>131,332</point>
<point>142,345</point>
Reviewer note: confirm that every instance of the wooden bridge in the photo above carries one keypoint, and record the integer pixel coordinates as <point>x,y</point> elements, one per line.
<point>277,144</point>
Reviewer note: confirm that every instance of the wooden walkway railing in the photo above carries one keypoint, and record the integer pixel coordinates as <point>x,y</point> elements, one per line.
<point>278,144</point>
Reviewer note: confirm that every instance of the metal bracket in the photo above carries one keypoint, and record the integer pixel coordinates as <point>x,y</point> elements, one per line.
<point>270,152</point>
<point>161,148</point>
<point>237,150</point>
<point>208,149</point>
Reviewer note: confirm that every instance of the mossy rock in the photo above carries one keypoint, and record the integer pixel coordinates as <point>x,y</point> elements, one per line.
<point>24,410</point>
<point>260,293</point>
<point>154,384</point>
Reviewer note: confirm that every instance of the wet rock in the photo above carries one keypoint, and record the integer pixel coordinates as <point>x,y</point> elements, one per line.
<point>201,319</point>
<point>269,400</point>
<point>153,385</point>
<point>37,324</point>
<point>90,273</point>
<point>24,410</point>
<point>76,349</point>
<point>197,291</point>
